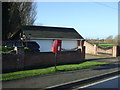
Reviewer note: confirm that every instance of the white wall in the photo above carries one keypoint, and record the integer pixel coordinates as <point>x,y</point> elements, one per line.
<point>69,44</point>
<point>46,45</point>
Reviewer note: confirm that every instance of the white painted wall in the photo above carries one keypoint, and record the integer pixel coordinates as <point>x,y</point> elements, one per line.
<point>46,45</point>
<point>69,44</point>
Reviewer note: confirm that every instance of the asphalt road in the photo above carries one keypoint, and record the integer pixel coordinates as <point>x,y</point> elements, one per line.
<point>107,83</point>
<point>44,81</point>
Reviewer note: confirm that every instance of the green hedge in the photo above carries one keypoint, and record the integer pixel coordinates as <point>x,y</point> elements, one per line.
<point>6,49</point>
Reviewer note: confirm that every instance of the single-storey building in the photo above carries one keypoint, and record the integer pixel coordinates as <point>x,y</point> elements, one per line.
<point>45,36</point>
<point>72,47</point>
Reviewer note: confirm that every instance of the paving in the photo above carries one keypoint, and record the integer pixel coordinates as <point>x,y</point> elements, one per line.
<point>48,80</point>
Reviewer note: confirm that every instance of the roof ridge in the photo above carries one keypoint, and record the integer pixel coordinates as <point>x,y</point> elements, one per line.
<point>47,26</point>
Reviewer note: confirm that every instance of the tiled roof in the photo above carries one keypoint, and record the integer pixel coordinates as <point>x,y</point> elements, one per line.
<point>51,32</point>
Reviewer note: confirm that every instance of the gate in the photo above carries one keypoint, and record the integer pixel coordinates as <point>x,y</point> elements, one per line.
<point>105,51</point>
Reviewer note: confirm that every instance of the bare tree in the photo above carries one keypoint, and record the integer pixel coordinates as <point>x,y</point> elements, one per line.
<point>27,12</point>
<point>109,39</point>
<point>16,14</point>
<point>117,40</point>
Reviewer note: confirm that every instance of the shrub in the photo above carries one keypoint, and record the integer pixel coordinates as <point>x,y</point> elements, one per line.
<point>6,49</point>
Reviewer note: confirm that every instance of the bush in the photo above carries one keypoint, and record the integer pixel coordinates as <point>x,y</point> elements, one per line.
<point>6,49</point>
<point>27,50</point>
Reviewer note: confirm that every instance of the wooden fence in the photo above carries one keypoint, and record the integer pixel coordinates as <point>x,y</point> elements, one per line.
<point>95,49</point>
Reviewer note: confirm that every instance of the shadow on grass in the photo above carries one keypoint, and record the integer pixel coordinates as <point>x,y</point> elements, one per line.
<point>99,58</point>
<point>108,66</point>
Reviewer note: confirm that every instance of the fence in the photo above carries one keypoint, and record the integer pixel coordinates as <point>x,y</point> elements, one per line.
<point>107,51</point>
<point>94,49</point>
<point>16,62</point>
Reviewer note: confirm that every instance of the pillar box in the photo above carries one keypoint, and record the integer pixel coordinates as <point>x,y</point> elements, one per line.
<point>56,48</point>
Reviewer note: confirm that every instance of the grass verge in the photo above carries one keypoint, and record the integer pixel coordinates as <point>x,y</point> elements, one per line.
<point>36,72</point>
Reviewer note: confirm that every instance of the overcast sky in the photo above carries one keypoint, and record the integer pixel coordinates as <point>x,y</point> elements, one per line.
<point>90,19</point>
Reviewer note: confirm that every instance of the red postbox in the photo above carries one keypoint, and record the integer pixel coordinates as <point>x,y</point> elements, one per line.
<point>56,48</point>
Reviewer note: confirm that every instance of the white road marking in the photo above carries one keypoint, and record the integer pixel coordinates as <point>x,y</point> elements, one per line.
<point>98,82</point>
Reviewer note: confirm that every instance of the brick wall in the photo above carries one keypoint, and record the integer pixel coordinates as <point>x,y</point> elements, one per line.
<point>44,59</point>
<point>89,48</point>
<point>9,62</point>
<point>118,50</point>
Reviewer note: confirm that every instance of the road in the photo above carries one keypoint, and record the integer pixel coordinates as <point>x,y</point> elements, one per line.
<point>107,83</point>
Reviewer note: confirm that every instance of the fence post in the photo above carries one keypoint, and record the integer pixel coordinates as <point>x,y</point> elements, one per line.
<point>114,53</point>
<point>95,49</point>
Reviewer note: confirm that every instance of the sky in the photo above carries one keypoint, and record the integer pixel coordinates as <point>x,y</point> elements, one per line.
<point>90,19</point>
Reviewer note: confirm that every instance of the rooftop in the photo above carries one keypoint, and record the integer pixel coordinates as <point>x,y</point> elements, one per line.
<point>51,32</point>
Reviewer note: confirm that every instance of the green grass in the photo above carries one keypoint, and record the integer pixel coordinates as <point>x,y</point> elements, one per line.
<point>36,72</point>
<point>106,45</point>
